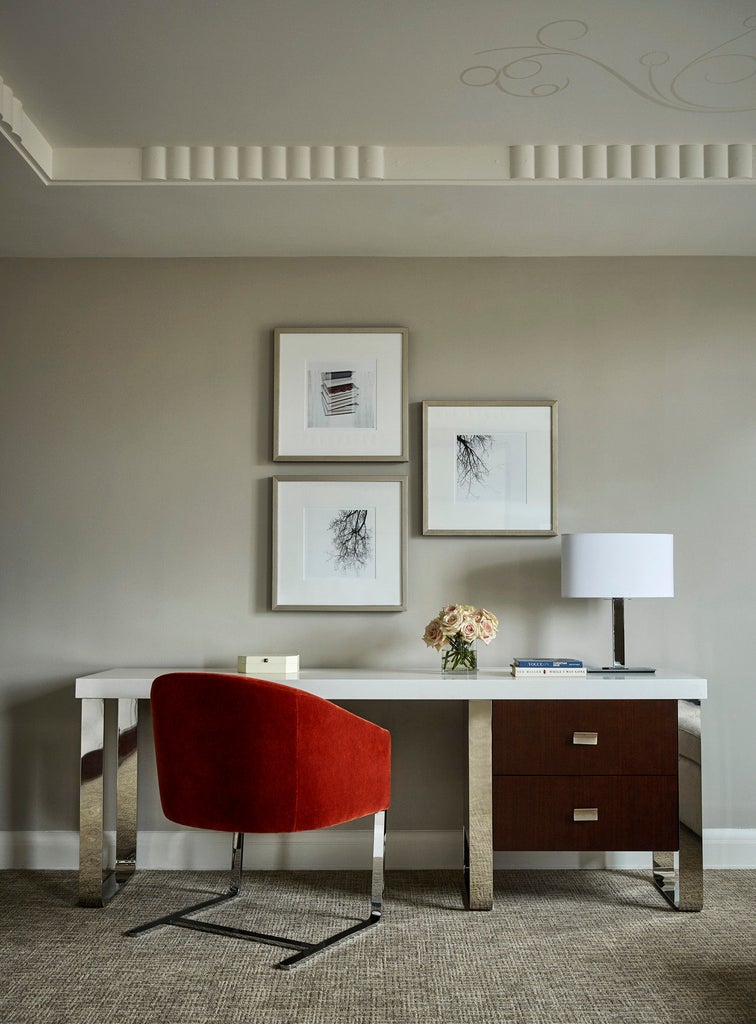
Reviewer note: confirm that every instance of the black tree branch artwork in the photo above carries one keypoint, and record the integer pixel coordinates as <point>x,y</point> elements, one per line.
<point>472,466</point>
<point>352,542</point>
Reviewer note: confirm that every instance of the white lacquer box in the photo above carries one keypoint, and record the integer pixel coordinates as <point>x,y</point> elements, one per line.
<point>278,664</point>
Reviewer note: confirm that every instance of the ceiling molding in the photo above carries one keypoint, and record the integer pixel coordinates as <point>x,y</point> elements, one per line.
<point>563,163</point>
<point>22,133</point>
<point>250,164</point>
<point>222,165</point>
<point>262,163</point>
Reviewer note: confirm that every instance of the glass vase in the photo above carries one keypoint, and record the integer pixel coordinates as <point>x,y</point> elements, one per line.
<point>460,659</point>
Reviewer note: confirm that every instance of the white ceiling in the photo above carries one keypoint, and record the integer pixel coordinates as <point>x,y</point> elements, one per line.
<point>390,73</point>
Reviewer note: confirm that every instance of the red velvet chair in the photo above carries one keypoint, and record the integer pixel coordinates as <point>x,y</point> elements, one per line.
<point>239,755</point>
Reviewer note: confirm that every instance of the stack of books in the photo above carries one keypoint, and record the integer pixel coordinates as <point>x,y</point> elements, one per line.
<point>548,667</point>
<point>338,392</point>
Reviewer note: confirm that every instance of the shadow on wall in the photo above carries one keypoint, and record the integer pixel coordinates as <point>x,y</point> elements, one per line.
<point>428,760</point>
<point>525,594</point>
<point>43,759</point>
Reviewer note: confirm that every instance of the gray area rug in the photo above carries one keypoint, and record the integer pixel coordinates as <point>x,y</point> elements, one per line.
<point>560,947</point>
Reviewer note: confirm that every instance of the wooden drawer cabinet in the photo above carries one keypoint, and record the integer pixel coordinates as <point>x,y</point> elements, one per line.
<point>537,812</point>
<point>585,775</point>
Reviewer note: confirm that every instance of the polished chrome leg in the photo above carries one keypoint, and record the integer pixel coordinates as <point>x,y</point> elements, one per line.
<point>478,838</point>
<point>379,853</point>
<point>237,858</point>
<point>665,874</point>
<point>108,773</point>
<point>683,888</point>
<point>310,950</point>
<point>178,916</point>
<point>126,790</point>
<point>305,950</point>
<point>95,886</point>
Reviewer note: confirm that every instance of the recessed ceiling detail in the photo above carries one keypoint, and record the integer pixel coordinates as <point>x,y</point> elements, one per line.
<point>720,81</point>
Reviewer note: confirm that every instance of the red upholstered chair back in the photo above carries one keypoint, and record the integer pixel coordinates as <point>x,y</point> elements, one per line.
<point>245,755</point>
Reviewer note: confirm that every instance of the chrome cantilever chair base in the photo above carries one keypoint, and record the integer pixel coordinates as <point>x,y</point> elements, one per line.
<point>305,950</point>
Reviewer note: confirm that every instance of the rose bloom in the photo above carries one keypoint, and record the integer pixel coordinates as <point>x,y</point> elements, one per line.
<point>452,618</point>
<point>434,635</point>
<point>486,631</point>
<point>483,615</point>
<point>469,630</point>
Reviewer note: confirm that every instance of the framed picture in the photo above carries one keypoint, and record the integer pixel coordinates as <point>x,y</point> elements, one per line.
<point>339,543</point>
<point>490,468</point>
<point>340,394</point>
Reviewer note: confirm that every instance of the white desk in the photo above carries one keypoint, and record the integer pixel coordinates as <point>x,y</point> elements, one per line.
<point>109,710</point>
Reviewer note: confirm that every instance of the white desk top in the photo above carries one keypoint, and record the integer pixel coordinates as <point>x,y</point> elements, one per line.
<point>369,684</point>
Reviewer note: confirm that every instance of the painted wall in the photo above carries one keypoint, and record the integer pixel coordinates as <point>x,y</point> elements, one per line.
<point>135,403</point>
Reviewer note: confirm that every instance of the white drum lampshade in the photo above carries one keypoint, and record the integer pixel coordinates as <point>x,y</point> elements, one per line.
<point>616,566</point>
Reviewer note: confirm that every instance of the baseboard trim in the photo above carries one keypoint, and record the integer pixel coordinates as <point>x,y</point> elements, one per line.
<point>730,848</point>
<point>343,849</point>
<point>39,851</point>
<point>336,849</point>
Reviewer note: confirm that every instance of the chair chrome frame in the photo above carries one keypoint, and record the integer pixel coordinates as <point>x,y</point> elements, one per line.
<point>305,950</point>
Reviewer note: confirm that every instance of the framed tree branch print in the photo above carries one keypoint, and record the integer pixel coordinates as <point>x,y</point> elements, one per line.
<point>490,468</point>
<point>339,543</point>
<point>340,394</point>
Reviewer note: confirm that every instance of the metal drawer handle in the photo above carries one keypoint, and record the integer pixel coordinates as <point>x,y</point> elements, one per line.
<point>585,739</point>
<point>585,814</point>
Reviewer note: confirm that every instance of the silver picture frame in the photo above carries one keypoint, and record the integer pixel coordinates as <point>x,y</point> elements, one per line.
<point>339,543</point>
<point>340,394</point>
<point>490,468</point>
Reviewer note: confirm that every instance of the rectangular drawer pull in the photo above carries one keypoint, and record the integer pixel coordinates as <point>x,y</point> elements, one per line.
<point>585,814</point>
<point>585,739</point>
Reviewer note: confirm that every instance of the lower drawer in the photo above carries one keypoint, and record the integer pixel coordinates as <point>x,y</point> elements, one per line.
<point>537,812</point>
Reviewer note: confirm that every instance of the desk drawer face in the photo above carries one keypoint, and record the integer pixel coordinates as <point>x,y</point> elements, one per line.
<point>585,813</point>
<point>571,737</point>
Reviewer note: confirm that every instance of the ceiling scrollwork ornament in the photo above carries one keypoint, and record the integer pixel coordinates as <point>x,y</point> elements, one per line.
<point>536,71</point>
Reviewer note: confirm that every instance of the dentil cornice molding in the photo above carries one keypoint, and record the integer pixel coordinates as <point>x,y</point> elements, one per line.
<point>475,165</point>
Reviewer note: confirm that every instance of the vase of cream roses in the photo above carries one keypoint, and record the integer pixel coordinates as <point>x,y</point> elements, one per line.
<point>455,631</point>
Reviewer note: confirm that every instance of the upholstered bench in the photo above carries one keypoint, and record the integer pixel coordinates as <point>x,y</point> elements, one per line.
<point>689,750</point>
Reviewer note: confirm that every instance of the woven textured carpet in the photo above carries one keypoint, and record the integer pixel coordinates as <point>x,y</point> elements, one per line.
<point>560,947</point>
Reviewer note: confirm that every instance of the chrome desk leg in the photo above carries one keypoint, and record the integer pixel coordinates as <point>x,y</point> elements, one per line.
<point>105,763</point>
<point>684,888</point>
<point>95,886</point>
<point>479,825</point>
<point>126,789</point>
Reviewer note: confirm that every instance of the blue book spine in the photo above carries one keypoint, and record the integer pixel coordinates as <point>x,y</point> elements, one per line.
<point>548,663</point>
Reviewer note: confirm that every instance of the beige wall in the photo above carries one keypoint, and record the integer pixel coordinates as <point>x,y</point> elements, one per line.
<point>135,403</point>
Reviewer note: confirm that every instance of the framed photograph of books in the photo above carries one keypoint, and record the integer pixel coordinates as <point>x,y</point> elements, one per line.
<point>340,394</point>
<point>490,468</point>
<point>339,543</point>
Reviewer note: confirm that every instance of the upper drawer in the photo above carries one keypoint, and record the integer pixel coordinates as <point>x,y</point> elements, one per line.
<point>542,737</point>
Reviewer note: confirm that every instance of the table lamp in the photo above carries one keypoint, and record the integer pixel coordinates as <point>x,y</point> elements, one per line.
<point>618,565</point>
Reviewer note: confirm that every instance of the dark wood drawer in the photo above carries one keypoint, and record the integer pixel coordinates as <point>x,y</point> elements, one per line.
<point>537,812</point>
<point>537,737</point>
